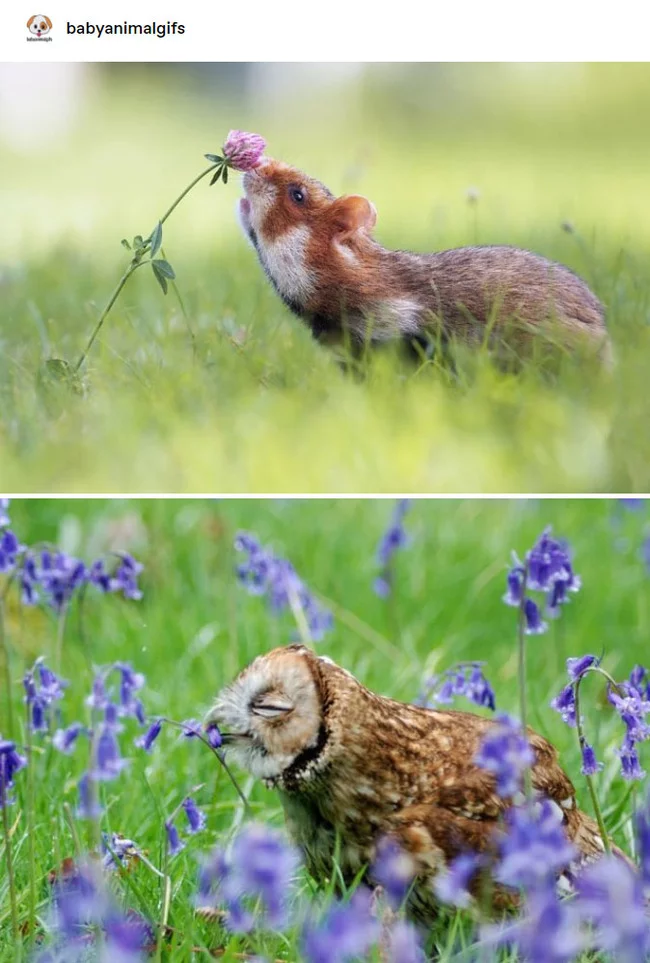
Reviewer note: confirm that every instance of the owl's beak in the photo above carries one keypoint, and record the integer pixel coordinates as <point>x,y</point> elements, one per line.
<point>228,738</point>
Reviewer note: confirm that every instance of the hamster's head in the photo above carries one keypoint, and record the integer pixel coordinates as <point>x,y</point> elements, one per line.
<point>285,210</point>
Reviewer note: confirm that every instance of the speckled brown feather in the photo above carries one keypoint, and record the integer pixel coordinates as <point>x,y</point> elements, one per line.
<point>373,767</point>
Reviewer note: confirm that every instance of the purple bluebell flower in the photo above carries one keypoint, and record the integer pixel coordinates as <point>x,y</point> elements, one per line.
<point>535,847</point>
<point>403,943</point>
<point>195,817</point>
<point>505,752</point>
<point>59,575</point>
<point>610,898</point>
<point>125,577</point>
<point>11,762</point>
<point>632,709</point>
<point>632,504</point>
<point>213,735</point>
<point>347,931</point>
<point>130,683</point>
<point>65,740</point>
<point>590,765</point>
<point>117,850</point>
<point>639,681</point>
<point>108,761</point>
<point>578,666</point>
<point>393,869</point>
<point>98,575</point>
<point>394,538</point>
<point>465,679</point>
<point>642,826</point>
<point>260,866</point>
<point>192,728</point>
<point>128,938</point>
<point>174,842</point>
<point>88,806</point>
<point>41,693</point>
<point>453,884</point>
<point>548,561</point>
<point>4,512</point>
<point>515,581</point>
<point>630,764</point>
<point>266,574</point>
<point>565,704</point>
<point>51,686</point>
<point>547,568</point>
<point>78,901</point>
<point>98,699</point>
<point>9,549</point>
<point>85,924</point>
<point>547,931</point>
<point>121,577</point>
<point>28,581</point>
<point>112,717</point>
<point>534,623</point>
<point>147,740</point>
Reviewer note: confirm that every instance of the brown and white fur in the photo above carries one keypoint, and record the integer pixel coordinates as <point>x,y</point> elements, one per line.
<point>320,256</point>
<point>356,766</point>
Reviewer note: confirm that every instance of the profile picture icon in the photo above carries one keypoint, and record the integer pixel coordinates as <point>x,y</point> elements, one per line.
<point>39,25</point>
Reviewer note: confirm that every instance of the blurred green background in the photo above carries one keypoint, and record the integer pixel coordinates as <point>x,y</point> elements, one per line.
<point>196,627</point>
<point>236,396</point>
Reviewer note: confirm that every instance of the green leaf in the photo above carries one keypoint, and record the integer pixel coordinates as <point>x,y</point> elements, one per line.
<point>125,244</point>
<point>58,369</point>
<point>165,268</point>
<point>160,278</point>
<point>55,374</point>
<point>225,174</point>
<point>156,239</point>
<point>214,158</point>
<point>138,242</point>
<point>216,176</point>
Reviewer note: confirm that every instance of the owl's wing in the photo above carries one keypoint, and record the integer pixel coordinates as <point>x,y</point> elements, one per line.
<point>460,809</point>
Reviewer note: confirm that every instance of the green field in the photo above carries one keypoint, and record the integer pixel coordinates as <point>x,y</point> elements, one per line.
<point>235,396</point>
<point>195,627</point>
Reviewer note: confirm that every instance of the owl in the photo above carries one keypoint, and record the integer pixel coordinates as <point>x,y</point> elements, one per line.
<point>353,768</point>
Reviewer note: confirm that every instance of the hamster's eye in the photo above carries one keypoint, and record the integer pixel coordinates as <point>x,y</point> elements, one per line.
<point>297,195</point>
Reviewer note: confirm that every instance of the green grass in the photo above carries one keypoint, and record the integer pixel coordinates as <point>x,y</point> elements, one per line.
<point>196,627</point>
<point>245,401</point>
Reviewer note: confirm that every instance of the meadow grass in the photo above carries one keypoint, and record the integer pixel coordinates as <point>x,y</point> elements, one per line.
<point>230,392</point>
<point>196,627</point>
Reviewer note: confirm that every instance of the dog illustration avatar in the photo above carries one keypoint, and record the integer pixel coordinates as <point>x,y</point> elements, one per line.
<point>39,25</point>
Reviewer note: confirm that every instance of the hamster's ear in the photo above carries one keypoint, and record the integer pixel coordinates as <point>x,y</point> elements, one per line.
<point>353,213</point>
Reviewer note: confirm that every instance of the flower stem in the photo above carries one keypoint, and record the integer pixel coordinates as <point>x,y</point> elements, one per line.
<point>590,779</point>
<point>60,632</point>
<point>164,911</point>
<point>6,672</point>
<point>113,298</point>
<point>198,735</point>
<point>187,190</point>
<point>133,266</point>
<point>299,616</point>
<point>521,675</point>
<point>4,804</point>
<point>182,305</point>
<point>30,827</point>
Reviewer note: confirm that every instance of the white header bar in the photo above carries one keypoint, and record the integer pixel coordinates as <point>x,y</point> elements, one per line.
<point>343,30</point>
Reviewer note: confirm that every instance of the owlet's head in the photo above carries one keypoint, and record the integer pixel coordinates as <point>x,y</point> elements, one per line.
<point>272,713</point>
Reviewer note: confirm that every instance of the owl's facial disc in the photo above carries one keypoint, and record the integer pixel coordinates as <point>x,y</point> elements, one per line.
<point>270,714</point>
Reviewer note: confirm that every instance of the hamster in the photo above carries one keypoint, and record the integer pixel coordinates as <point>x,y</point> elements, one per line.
<point>320,256</point>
